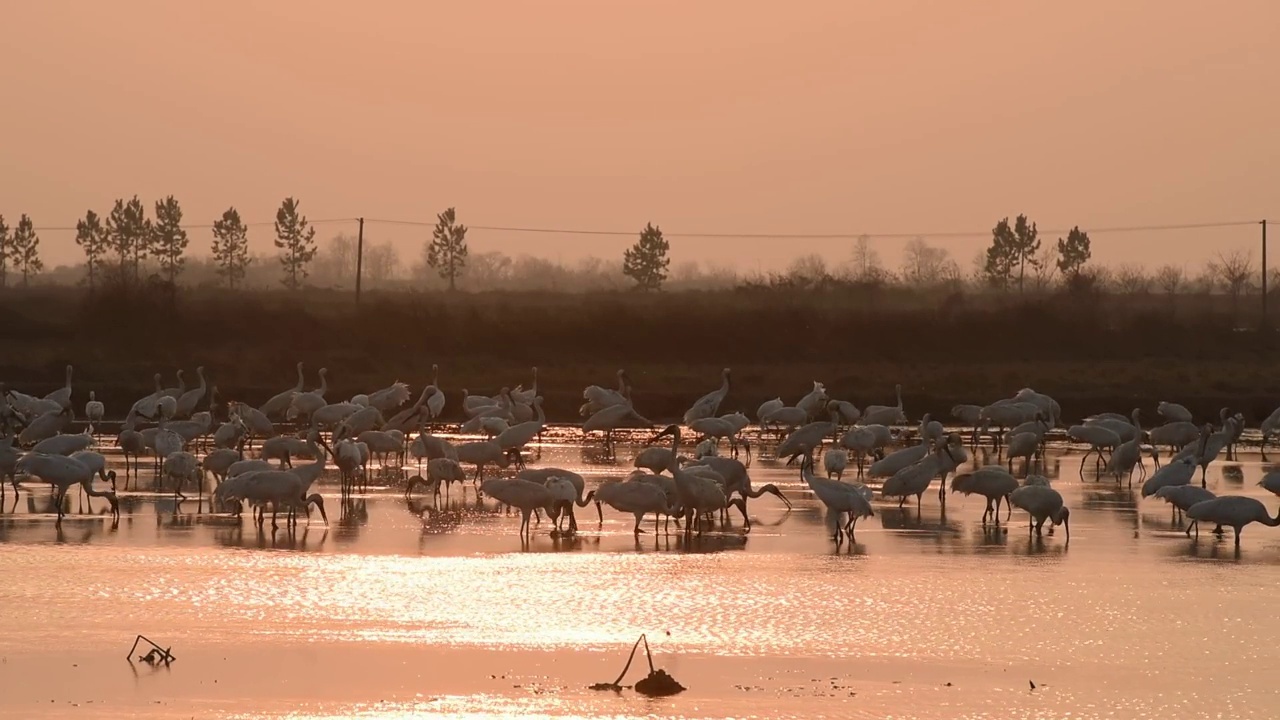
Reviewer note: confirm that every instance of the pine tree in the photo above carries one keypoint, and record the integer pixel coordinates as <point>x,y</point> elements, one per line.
<point>447,251</point>
<point>1001,255</point>
<point>4,252</point>
<point>1027,244</point>
<point>26,249</point>
<point>169,240</point>
<point>296,241</point>
<point>231,247</point>
<point>1073,252</point>
<point>129,234</point>
<point>646,262</point>
<point>91,236</point>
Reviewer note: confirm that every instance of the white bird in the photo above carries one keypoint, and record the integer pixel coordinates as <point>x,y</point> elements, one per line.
<point>993,483</point>
<point>1173,412</point>
<point>699,492</point>
<point>254,420</point>
<point>97,464</point>
<point>1234,511</point>
<point>864,440</point>
<point>389,398</point>
<point>94,410</point>
<point>1176,435</point>
<point>786,418</point>
<point>331,415</point>
<point>1046,404</point>
<point>186,403</point>
<point>615,417</point>
<point>181,466</point>
<point>64,444</point>
<point>219,462</point>
<point>302,405</point>
<point>283,448</point>
<point>62,396</point>
<point>414,415</point>
<point>897,460</point>
<point>834,461</point>
<point>471,404</point>
<point>514,438</point>
<point>915,479</point>
<point>354,421</point>
<point>1177,472</point>
<point>885,414</point>
<point>1182,497</point>
<point>767,408</point>
<point>1024,445</point>
<point>384,443</point>
<point>279,404</point>
<point>524,495</point>
<point>636,498</point>
<point>805,440</point>
<point>44,427</point>
<point>849,413</point>
<point>840,499</point>
<point>240,467</point>
<point>436,400</point>
<point>814,401</point>
<point>480,454</point>
<point>598,398</point>
<point>1209,447</point>
<point>526,396</point>
<point>63,472</point>
<point>439,471</point>
<point>969,416</point>
<point>1270,426</point>
<point>708,405</point>
<point>1042,503</point>
<point>1124,429</point>
<point>175,392</point>
<point>282,490</point>
<point>146,406</point>
<point>1096,437</point>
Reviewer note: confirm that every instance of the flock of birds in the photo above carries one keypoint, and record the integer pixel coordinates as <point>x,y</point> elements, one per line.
<point>190,446</point>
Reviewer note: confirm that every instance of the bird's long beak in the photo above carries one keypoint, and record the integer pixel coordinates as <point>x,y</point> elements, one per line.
<point>320,506</point>
<point>1066,526</point>
<point>773,489</point>
<point>115,505</point>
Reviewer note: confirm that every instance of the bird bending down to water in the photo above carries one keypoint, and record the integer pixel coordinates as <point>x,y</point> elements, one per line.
<point>1235,511</point>
<point>1042,503</point>
<point>708,405</point>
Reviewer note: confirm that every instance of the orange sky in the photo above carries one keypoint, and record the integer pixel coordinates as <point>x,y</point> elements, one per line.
<point>700,116</point>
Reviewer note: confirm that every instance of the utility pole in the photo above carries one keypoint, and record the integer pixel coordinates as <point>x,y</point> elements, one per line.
<point>1264,275</point>
<point>360,258</point>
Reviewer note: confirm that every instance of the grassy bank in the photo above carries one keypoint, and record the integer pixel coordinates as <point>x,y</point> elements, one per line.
<point>1093,353</point>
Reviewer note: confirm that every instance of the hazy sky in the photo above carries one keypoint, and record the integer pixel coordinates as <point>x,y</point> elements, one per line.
<point>823,117</point>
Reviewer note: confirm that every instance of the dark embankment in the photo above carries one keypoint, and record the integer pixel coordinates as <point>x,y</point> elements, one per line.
<point>1092,352</point>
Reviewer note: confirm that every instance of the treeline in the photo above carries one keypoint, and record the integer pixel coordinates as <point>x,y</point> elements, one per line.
<point>127,247</point>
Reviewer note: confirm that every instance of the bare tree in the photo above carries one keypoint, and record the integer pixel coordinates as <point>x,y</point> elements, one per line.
<point>1170,278</point>
<point>1046,268</point>
<point>1131,279</point>
<point>1234,271</point>
<point>924,265</point>
<point>380,263</point>
<point>809,268</point>
<point>865,261</point>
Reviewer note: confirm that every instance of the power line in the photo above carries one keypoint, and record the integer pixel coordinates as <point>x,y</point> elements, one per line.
<point>206,226</point>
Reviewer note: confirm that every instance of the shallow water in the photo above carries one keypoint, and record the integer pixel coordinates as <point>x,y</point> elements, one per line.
<point>400,609</point>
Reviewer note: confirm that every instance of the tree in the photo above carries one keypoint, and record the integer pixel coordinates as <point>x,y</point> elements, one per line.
<point>808,269</point>
<point>1046,268</point>
<point>297,242</point>
<point>866,261</point>
<point>1001,255</point>
<point>1170,278</point>
<point>129,234</point>
<point>4,252</point>
<point>646,262</point>
<point>1234,270</point>
<point>924,265</point>
<point>447,251</point>
<point>489,270</point>
<point>1073,252</point>
<point>1131,280</point>
<point>338,258</point>
<point>1027,244</point>
<point>231,247</point>
<point>25,249</point>
<point>91,236</point>
<point>168,239</point>
<point>380,262</point>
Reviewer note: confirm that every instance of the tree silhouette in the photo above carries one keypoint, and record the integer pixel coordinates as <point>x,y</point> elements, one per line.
<point>129,234</point>
<point>1001,255</point>
<point>447,251</point>
<point>91,236</point>
<point>4,252</point>
<point>296,241</point>
<point>1073,252</point>
<point>1027,244</point>
<point>646,262</point>
<point>25,249</point>
<point>231,247</point>
<point>169,240</point>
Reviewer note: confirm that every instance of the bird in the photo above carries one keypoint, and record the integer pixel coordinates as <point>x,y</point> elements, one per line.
<point>916,478</point>
<point>1176,435</point>
<point>254,420</point>
<point>62,473</point>
<point>637,498</point>
<point>187,401</point>
<point>62,396</point>
<point>281,489</point>
<point>439,471</point>
<point>389,398</point>
<point>64,444</point>
<point>1042,503</point>
<point>598,398</point>
<point>218,462</point>
<point>885,414</point>
<point>814,401</point>
<point>524,495</point>
<point>279,404</point>
<point>614,417</point>
<point>1176,472</point>
<point>1182,497</point>
<point>332,415</point>
<point>527,396</point>
<point>1173,412</point>
<point>94,411</point>
<point>175,392</point>
<point>1270,426</point>
<point>736,479</point>
<point>699,494</point>
<point>514,438</point>
<point>804,440</point>
<point>1234,511</point>
<point>44,427</point>
<point>840,498</point>
<point>302,405</point>
<point>708,405</point>
<point>480,454</point>
<point>899,459</point>
<point>1096,437</point>
<point>767,408</point>
<point>1024,445</point>
<point>992,482</point>
<point>834,461</point>
<point>1209,447</point>
<point>970,416</point>
<point>865,440</point>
